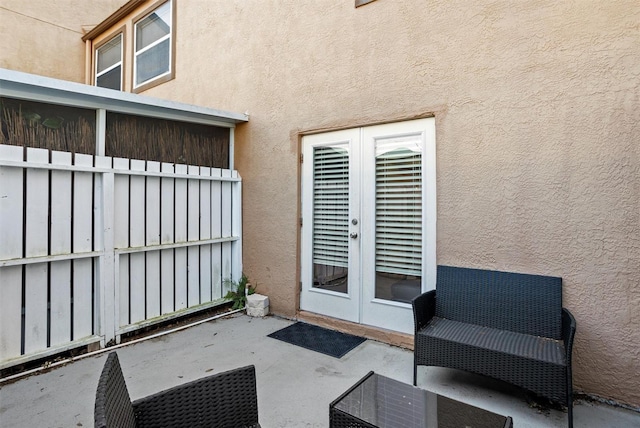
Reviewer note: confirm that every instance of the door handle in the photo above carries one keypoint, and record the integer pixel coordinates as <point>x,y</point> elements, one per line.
<point>353,235</point>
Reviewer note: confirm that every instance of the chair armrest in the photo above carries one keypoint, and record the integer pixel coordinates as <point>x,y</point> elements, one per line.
<point>113,405</point>
<point>424,308</point>
<point>223,399</point>
<point>568,332</point>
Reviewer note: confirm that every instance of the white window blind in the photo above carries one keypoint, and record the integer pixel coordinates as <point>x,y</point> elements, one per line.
<point>330,206</point>
<point>399,206</point>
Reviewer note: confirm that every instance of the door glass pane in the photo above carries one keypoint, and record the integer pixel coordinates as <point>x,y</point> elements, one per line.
<point>330,218</point>
<point>398,218</point>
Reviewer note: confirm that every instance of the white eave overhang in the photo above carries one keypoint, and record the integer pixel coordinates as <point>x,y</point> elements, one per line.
<point>16,84</point>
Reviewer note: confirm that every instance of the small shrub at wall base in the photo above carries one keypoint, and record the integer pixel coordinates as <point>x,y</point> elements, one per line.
<point>239,291</point>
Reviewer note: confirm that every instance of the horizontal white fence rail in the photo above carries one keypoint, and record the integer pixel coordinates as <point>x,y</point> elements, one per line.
<point>93,247</point>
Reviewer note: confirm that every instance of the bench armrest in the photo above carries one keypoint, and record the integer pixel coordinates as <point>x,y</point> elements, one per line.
<point>568,332</point>
<point>424,308</point>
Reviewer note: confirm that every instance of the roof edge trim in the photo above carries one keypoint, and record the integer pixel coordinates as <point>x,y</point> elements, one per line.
<point>16,84</point>
<point>112,19</point>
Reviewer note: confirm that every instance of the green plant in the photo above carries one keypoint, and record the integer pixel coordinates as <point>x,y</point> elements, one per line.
<point>239,291</point>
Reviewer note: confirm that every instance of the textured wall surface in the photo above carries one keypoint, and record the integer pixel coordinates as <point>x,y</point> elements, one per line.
<point>537,107</point>
<point>538,136</point>
<point>45,37</point>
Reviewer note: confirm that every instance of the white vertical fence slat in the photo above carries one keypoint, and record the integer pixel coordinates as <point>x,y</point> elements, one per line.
<point>193,234</point>
<point>83,279</point>
<point>205,233</point>
<point>60,285</point>
<point>236,226</point>
<point>225,208</point>
<point>36,244</point>
<point>137,260</point>
<point>121,240</point>
<point>10,312</point>
<point>152,279</point>
<point>123,316</point>
<point>11,223</point>
<point>216,232</point>
<point>37,199</point>
<point>60,328</point>
<point>180,263</point>
<point>60,205</point>
<point>117,243</point>
<point>167,206</point>
<point>35,307</point>
<point>152,237</point>
<point>11,203</point>
<point>121,204</point>
<point>167,216</point>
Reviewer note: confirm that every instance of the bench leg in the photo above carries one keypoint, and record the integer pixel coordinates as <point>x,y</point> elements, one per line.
<point>569,395</point>
<point>570,408</point>
<point>415,372</point>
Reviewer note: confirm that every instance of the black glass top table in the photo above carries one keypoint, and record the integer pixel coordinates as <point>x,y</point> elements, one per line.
<point>378,401</point>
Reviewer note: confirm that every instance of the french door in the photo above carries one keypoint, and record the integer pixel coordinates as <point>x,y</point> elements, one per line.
<point>368,231</point>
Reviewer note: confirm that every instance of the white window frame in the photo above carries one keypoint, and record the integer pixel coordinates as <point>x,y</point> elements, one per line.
<point>137,87</point>
<point>119,63</point>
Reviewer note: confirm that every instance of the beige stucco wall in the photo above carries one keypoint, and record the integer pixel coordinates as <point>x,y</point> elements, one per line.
<point>538,136</point>
<point>537,107</point>
<point>45,37</point>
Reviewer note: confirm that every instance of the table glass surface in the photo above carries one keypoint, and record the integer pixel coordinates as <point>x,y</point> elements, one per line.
<point>388,403</point>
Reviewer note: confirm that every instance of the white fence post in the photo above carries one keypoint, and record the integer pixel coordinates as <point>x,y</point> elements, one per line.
<point>106,301</point>
<point>236,228</point>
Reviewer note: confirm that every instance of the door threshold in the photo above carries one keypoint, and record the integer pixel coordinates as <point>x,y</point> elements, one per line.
<point>394,338</point>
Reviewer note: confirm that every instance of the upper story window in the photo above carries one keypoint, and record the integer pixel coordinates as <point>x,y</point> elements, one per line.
<point>134,48</point>
<point>109,64</point>
<point>153,54</point>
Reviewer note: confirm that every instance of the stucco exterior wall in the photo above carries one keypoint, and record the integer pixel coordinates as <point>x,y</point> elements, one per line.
<point>538,136</point>
<point>46,37</point>
<point>537,107</point>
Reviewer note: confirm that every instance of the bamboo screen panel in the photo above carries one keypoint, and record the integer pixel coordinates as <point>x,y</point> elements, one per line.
<point>160,140</point>
<point>50,126</point>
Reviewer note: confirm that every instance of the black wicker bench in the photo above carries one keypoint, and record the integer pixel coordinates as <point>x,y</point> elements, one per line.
<point>508,326</point>
<point>223,400</point>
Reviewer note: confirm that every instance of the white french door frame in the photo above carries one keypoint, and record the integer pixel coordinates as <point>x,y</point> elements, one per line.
<point>389,314</point>
<point>360,304</point>
<point>334,304</point>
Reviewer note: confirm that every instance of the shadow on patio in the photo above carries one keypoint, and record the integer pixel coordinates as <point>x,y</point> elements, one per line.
<point>295,385</point>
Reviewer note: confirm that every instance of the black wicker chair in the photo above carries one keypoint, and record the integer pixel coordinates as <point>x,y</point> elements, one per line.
<point>505,325</point>
<point>224,400</point>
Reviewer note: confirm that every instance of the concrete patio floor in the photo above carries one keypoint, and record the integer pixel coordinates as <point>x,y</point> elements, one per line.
<point>295,385</point>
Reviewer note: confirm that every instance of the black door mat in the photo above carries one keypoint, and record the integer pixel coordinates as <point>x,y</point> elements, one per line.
<point>318,339</point>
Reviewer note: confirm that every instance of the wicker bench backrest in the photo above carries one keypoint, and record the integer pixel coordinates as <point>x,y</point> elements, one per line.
<point>226,399</point>
<point>529,304</point>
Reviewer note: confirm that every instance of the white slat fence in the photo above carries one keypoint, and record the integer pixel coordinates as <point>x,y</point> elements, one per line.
<point>93,247</point>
